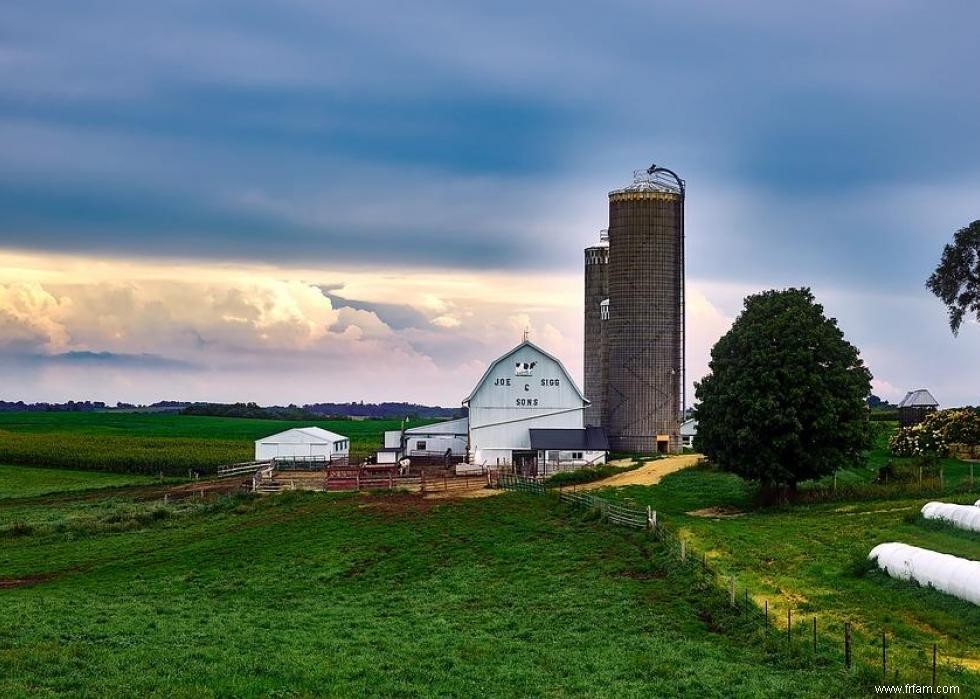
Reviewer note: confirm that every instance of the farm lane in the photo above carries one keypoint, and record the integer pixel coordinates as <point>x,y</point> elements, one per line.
<point>648,474</point>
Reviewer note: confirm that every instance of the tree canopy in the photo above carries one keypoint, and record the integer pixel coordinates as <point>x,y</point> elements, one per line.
<point>785,397</point>
<point>956,280</point>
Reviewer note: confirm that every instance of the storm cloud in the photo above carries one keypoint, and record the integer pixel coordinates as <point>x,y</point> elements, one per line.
<point>827,145</point>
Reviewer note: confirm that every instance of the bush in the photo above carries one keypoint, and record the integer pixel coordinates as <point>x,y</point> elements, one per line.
<point>934,435</point>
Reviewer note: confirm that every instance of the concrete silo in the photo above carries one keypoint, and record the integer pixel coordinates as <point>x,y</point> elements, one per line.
<point>596,349</point>
<point>644,335</point>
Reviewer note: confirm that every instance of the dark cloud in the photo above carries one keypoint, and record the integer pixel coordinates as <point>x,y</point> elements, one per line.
<point>394,315</point>
<point>101,359</point>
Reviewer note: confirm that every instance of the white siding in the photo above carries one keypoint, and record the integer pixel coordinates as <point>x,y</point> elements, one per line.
<point>437,443</point>
<point>509,401</point>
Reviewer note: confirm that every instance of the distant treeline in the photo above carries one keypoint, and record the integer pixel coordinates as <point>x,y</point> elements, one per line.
<point>71,406</point>
<point>83,406</point>
<point>384,410</point>
<point>254,410</point>
<point>317,411</point>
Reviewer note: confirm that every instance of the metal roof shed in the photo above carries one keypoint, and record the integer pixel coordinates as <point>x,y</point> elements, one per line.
<point>302,443</point>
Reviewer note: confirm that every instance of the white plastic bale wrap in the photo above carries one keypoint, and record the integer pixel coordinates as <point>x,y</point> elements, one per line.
<point>960,516</point>
<point>959,577</point>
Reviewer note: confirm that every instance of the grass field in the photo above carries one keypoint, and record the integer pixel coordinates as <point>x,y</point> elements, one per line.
<point>812,558</point>
<point>25,481</point>
<point>316,594</point>
<point>150,443</point>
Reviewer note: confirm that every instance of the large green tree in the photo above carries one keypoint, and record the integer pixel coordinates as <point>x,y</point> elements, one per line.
<point>956,280</point>
<point>784,399</point>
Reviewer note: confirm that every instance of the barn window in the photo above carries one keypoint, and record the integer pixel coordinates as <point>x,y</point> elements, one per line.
<point>420,445</point>
<point>576,455</point>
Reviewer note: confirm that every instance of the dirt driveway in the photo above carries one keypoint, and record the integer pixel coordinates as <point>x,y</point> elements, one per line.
<point>648,474</point>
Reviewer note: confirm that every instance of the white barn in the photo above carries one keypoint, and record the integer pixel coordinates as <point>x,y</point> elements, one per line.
<point>528,390</point>
<point>526,412</point>
<point>303,444</point>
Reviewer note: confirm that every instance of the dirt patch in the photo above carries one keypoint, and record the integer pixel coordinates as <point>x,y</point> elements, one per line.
<point>648,474</point>
<point>464,494</point>
<point>724,512</point>
<point>8,583</point>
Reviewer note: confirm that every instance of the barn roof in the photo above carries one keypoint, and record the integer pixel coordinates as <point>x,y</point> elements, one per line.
<point>919,398</point>
<point>526,343</point>
<point>585,439</point>
<point>457,426</point>
<point>302,435</point>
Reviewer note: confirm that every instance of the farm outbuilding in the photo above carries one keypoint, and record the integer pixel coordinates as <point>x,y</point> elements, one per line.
<point>447,438</point>
<point>914,407</point>
<point>689,430</point>
<point>960,516</point>
<point>303,444</point>
<point>955,576</point>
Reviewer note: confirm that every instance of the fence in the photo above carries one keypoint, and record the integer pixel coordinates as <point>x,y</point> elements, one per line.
<point>873,655</point>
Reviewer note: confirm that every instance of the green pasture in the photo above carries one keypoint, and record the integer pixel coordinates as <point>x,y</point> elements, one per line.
<point>322,595</point>
<point>151,443</point>
<point>812,558</point>
<point>25,481</point>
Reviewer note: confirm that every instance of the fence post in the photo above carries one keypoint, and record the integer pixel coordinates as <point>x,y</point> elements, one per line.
<point>789,629</point>
<point>767,616</point>
<point>683,549</point>
<point>814,635</point>
<point>731,590</point>
<point>884,656</point>
<point>933,664</point>
<point>942,480</point>
<point>165,496</point>
<point>847,645</point>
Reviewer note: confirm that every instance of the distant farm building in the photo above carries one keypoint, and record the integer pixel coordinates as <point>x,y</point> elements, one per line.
<point>689,430</point>
<point>303,444</point>
<point>526,412</point>
<point>915,406</point>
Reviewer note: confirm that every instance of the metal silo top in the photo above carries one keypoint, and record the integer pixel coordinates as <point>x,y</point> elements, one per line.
<point>653,180</point>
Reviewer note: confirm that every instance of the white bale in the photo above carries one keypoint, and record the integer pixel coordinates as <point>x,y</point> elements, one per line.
<point>960,516</point>
<point>956,576</point>
<point>977,503</point>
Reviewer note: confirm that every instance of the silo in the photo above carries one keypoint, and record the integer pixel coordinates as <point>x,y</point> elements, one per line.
<point>596,358</point>
<point>645,333</point>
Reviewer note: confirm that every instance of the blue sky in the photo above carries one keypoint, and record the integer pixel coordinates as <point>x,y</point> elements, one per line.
<point>240,194</point>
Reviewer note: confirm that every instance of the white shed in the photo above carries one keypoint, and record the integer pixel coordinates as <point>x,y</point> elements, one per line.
<point>303,444</point>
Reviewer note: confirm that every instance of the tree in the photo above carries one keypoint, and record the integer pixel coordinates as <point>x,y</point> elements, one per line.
<point>784,399</point>
<point>956,280</point>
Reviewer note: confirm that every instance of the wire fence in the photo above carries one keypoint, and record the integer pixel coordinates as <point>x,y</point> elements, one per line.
<point>789,634</point>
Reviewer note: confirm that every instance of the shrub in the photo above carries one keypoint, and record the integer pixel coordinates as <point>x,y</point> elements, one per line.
<point>934,435</point>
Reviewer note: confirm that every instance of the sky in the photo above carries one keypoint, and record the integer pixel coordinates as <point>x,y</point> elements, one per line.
<point>312,201</point>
